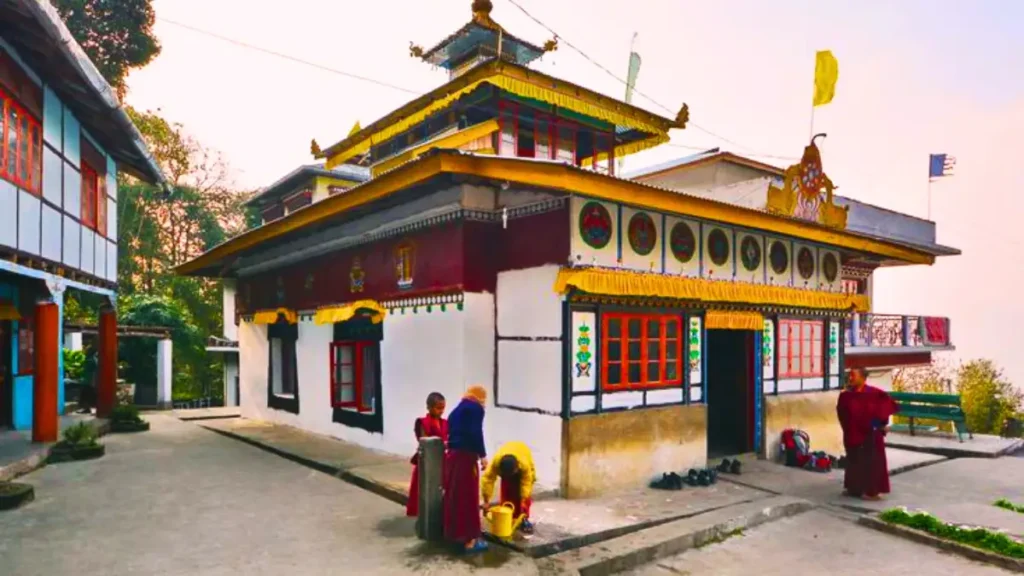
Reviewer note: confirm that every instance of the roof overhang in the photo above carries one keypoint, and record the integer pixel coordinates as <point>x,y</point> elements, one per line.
<point>506,76</point>
<point>37,32</point>
<point>543,174</point>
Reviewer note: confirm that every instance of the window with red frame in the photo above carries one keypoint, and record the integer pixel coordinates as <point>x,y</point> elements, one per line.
<point>94,187</point>
<point>90,191</point>
<point>640,351</point>
<point>354,375</point>
<point>801,349</point>
<point>21,140</point>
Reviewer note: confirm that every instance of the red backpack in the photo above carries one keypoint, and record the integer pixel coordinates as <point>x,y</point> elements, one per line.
<point>796,447</point>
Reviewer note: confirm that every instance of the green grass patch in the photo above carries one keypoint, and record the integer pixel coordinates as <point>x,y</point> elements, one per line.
<point>1007,505</point>
<point>721,538</point>
<point>981,538</point>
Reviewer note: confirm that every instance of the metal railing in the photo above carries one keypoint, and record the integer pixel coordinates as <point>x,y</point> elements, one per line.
<point>897,331</point>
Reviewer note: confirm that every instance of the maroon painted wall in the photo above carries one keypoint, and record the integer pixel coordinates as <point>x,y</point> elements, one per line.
<point>525,243</point>
<point>437,268</point>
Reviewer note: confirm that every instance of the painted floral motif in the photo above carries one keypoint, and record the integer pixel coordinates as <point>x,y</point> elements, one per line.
<point>768,348</point>
<point>356,276</point>
<point>595,225</point>
<point>642,233</point>
<point>805,263</point>
<point>830,267</point>
<point>694,341</point>
<point>718,247</point>
<point>833,347</point>
<point>583,354</point>
<point>683,242</point>
<point>750,253</point>
<point>778,256</point>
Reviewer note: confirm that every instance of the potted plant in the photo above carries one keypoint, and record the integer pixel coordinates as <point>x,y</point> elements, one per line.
<point>125,418</point>
<point>78,443</point>
<point>14,494</point>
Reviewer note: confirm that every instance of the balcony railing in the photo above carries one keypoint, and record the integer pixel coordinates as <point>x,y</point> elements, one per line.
<point>897,331</point>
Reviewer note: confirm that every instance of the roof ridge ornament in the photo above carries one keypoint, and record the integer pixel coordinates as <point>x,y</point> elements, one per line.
<point>682,117</point>
<point>806,191</point>
<point>482,14</point>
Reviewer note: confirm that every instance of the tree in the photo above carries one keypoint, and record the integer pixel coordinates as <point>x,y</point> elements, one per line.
<point>117,35</point>
<point>988,398</point>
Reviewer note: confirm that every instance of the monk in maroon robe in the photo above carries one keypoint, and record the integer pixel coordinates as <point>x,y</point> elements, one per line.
<point>431,425</point>
<point>864,413</point>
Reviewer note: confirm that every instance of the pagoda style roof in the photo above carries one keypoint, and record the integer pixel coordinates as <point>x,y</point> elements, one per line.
<point>304,174</point>
<point>519,81</point>
<point>545,174</point>
<point>481,35</point>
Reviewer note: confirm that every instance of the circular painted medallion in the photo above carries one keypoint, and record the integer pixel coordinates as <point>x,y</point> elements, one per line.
<point>778,257</point>
<point>750,253</point>
<point>595,225</point>
<point>718,247</point>
<point>683,242</point>
<point>642,233</point>
<point>805,263</point>
<point>830,267</point>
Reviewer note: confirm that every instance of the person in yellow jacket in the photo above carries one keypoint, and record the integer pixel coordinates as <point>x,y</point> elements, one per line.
<point>514,465</point>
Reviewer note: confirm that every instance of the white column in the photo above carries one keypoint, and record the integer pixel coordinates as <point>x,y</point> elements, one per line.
<point>230,375</point>
<point>164,375</point>
<point>73,340</point>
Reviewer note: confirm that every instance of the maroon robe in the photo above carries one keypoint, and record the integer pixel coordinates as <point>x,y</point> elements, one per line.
<point>863,415</point>
<point>428,426</point>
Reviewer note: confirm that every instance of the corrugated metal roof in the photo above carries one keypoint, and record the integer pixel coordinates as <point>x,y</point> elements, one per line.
<point>284,184</point>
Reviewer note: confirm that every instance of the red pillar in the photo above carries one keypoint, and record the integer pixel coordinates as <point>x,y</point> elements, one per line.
<point>44,388</point>
<point>106,379</point>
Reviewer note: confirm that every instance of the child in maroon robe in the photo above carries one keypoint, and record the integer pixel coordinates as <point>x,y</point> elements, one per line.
<point>864,413</point>
<point>431,425</point>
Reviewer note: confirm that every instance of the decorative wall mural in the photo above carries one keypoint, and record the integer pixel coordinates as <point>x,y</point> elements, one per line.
<point>405,262</point>
<point>833,347</point>
<point>683,242</point>
<point>750,253</point>
<point>642,233</point>
<point>595,225</point>
<point>718,247</point>
<point>356,276</point>
<point>830,267</point>
<point>805,263</point>
<point>768,349</point>
<point>583,354</point>
<point>694,338</point>
<point>778,256</point>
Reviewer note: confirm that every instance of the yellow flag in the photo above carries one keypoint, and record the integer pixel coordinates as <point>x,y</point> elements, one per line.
<point>826,73</point>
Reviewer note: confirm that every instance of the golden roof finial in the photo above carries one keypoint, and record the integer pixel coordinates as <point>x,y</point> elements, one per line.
<point>314,149</point>
<point>682,117</point>
<point>482,14</point>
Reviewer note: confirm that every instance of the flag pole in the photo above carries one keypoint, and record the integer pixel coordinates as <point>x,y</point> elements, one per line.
<point>929,197</point>
<point>814,87</point>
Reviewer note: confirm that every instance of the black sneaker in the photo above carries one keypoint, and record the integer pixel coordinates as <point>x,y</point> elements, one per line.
<point>724,466</point>
<point>675,481</point>
<point>691,477</point>
<point>703,479</point>
<point>736,467</point>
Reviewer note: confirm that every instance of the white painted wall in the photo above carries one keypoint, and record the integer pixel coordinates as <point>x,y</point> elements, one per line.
<point>230,372</point>
<point>422,352</point>
<point>228,307</point>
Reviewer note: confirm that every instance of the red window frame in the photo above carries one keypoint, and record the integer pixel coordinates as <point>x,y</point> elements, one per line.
<point>90,195</point>
<point>801,348</point>
<point>663,341</point>
<point>358,371</point>
<point>25,169</point>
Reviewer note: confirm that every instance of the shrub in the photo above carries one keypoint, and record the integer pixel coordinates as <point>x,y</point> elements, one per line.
<point>80,435</point>
<point>125,413</point>
<point>74,364</point>
<point>971,536</point>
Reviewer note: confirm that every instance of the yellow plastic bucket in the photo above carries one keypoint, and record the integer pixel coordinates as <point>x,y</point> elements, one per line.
<point>500,518</point>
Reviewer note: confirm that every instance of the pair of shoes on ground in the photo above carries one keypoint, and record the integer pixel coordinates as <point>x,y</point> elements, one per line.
<point>730,467</point>
<point>668,481</point>
<point>526,528</point>
<point>478,546</point>
<point>701,477</point>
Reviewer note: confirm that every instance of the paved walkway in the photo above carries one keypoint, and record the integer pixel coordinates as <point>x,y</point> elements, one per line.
<point>816,543</point>
<point>183,500</point>
<point>18,454</point>
<point>946,444</point>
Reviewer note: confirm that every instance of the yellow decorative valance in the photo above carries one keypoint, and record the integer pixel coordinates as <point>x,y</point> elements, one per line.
<point>454,140</point>
<point>343,312</point>
<point>566,97</point>
<point>271,316</point>
<point>640,284</point>
<point>733,320</point>
<point>9,312</point>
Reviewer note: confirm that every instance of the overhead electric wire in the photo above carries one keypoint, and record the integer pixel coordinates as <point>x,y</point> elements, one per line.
<point>565,41</point>
<point>384,84</point>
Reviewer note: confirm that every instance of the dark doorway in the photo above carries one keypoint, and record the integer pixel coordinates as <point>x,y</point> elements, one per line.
<point>6,378</point>
<point>730,392</point>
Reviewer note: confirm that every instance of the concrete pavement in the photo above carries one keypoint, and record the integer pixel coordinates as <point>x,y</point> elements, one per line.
<point>183,500</point>
<point>815,543</point>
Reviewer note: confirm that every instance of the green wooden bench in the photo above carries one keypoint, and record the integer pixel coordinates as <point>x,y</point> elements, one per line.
<point>941,407</point>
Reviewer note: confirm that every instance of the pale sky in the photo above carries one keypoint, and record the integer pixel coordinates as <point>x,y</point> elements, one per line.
<point>916,77</point>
